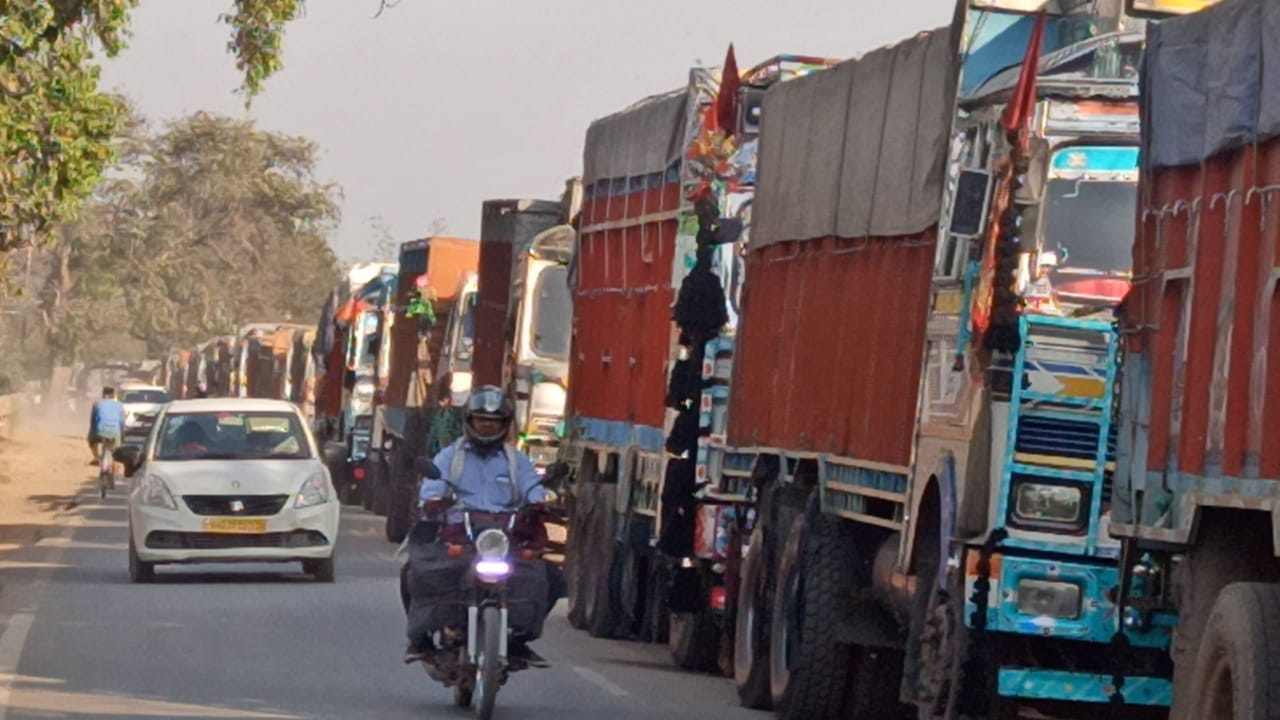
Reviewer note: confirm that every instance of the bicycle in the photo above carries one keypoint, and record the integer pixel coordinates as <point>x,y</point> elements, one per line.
<point>106,468</point>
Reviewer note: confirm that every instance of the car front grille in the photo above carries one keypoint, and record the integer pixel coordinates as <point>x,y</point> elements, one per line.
<point>170,540</point>
<point>236,505</point>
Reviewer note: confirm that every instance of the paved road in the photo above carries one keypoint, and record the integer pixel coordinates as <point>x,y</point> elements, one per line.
<point>80,641</point>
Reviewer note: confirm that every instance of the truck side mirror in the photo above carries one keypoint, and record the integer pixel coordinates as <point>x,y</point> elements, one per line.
<point>971,204</point>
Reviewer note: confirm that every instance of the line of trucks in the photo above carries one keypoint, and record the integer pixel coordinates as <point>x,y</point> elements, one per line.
<point>935,383</point>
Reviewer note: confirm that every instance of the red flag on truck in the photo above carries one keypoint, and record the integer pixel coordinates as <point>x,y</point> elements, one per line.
<point>727,98</point>
<point>1017,114</point>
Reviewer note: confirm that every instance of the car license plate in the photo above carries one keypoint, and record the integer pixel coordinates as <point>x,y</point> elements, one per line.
<point>235,525</point>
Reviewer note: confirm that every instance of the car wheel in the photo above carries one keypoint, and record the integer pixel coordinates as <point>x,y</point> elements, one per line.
<point>321,570</point>
<point>139,571</point>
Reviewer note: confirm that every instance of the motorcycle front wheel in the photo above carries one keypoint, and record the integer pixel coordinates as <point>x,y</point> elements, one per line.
<point>489,669</point>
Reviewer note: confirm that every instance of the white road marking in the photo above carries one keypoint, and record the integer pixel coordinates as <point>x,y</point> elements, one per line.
<point>12,641</point>
<point>14,637</point>
<point>591,676</point>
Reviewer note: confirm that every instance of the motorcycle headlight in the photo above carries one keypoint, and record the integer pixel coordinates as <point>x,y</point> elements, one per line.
<point>314,491</point>
<point>1059,600</point>
<point>152,492</point>
<point>492,545</point>
<point>1043,503</point>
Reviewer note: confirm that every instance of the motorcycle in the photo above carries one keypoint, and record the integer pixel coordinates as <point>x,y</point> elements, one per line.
<point>475,661</point>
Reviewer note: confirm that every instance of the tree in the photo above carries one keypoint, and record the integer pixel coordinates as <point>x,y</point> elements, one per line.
<point>56,126</point>
<point>385,246</point>
<point>212,224</point>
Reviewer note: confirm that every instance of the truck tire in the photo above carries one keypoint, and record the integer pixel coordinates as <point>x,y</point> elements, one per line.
<point>399,513</point>
<point>1237,671</point>
<point>602,609</point>
<point>751,629</point>
<point>872,690</point>
<point>808,666</point>
<point>695,641</point>
<point>656,626</point>
<point>372,480</point>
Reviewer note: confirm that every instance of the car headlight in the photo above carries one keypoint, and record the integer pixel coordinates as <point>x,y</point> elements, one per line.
<point>152,492</point>
<point>492,545</point>
<point>314,491</point>
<point>1053,599</point>
<point>1056,504</point>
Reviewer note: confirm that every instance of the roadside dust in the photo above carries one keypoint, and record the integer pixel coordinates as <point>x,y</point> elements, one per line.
<point>43,471</point>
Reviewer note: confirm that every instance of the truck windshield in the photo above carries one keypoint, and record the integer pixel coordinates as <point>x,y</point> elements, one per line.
<point>466,333</point>
<point>366,346</point>
<point>1093,222</point>
<point>552,313</point>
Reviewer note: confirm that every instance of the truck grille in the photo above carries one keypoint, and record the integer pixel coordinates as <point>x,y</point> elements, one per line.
<point>254,505</point>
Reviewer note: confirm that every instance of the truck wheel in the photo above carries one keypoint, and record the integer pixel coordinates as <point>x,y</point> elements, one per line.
<point>399,513</point>
<point>381,504</point>
<point>751,631</point>
<point>602,611</point>
<point>872,690</point>
<point>808,667</point>
<point>1237,672</point>
<point>656,626</point>
<point>695,641</point>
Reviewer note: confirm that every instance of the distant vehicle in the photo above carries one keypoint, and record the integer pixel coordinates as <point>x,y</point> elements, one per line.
<point>141,403</point>
<point>230,480</point>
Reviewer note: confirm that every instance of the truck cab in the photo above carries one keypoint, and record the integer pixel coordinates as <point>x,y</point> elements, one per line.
<point>544,323</point>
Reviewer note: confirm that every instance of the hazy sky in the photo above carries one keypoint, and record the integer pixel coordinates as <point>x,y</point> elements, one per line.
<point>440,104</point>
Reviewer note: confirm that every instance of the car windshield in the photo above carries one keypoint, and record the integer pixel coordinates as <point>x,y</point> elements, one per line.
<point>552,313</point>
<point>150,397</point>
<point>232,436</point>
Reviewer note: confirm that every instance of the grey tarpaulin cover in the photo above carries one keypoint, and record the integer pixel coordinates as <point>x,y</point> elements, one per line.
<point>1211,81</point>
<point>643,139</point>
<point>860,149</point>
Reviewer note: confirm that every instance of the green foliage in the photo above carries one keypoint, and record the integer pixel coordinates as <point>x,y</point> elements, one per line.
<point>212,224</point>
<point>257,38</point>
<point>56,127</point>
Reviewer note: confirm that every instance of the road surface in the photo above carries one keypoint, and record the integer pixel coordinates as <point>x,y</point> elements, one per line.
<point>79,641</point>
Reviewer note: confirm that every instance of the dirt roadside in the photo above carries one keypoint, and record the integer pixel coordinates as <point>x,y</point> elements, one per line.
<point>43,471</point>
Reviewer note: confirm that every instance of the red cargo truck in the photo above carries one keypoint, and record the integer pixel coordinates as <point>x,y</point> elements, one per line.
<point>431,271</point>
<point>1197,494</point>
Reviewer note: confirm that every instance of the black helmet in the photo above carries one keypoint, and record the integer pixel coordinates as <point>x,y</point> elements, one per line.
<point>487,403</point>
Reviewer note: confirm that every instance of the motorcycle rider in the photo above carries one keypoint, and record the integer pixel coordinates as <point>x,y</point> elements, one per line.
<point>488,475</point>
<point>106,422</point>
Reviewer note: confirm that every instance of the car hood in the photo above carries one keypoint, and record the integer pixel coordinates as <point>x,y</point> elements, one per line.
<point>234,477</point>
<point>143,408</point>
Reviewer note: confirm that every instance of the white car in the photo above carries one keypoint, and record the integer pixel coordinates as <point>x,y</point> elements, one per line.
<point>142,403</point>
<point>230,480</point>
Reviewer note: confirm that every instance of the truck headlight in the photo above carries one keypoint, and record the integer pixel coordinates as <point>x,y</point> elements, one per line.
<point>1059,600</point>
<point>1044,503</point>
<point>362,399</point>
<point>547,400</point>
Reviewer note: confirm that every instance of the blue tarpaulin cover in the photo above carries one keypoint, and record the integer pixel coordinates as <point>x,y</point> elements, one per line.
<point>1211,82</point>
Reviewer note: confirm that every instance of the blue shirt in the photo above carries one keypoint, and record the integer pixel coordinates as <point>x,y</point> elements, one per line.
<point>486,483</point>
<point>108,418</point>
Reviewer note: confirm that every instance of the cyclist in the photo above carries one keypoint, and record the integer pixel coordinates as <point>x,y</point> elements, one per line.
<point>106,422</point>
